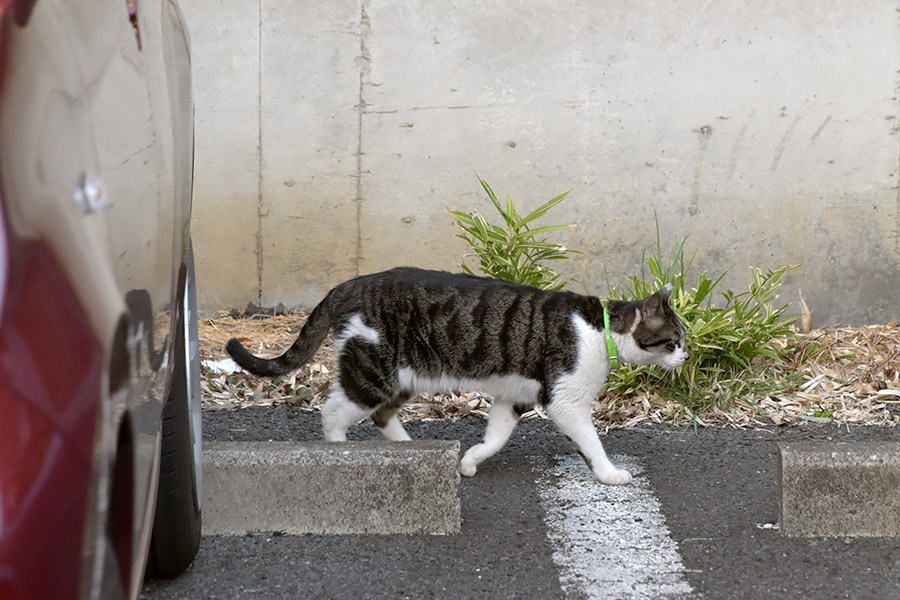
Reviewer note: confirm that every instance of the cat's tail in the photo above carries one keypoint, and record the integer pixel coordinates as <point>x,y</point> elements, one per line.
<point>301,351</point>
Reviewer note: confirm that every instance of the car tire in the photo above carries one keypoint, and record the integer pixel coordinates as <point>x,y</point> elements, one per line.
<point>176,527</point>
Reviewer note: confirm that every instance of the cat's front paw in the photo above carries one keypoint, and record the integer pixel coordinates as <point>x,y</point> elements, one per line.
<point>467,468</point>
<point>614,477</point>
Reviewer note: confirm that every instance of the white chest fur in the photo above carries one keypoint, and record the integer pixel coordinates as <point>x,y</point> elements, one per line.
<point>589,375</point>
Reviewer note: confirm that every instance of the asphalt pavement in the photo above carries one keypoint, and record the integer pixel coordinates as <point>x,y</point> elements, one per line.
<point>698,522</point>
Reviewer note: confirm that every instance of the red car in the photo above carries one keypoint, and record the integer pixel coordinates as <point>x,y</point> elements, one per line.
<point>99,379</point>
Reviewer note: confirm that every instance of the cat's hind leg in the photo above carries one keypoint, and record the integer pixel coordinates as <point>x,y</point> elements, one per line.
<point>501,421</point>
<point>386,420</point>
<point>572,415</point>
<point>364,388</point>
<point>340,413</point>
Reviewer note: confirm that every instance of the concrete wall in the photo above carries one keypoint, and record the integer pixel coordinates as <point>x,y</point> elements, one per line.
<point>333,136</point>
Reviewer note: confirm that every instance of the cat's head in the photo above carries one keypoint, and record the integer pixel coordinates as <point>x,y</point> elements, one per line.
<point>655,334</point>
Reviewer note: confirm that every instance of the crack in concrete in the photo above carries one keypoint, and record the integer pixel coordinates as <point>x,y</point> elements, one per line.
<point>704,132</point>
<point>364,71</point>
<point>259,154</point>
<point>897,207</point>
<point>818,131</point>
<point>426,108</point>
<point>779,150</point>
<point>733,158</point>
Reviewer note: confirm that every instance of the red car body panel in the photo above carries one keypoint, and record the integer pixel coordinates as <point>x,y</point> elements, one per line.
<point>49,410</point>
<point>50,370</point>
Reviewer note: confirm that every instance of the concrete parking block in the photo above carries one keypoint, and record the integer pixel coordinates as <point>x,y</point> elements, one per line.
<point>331,487</point>
<point>840,489</point>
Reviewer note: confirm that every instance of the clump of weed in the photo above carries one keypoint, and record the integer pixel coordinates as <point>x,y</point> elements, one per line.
<point>515,251</point>
<point>732,345</point>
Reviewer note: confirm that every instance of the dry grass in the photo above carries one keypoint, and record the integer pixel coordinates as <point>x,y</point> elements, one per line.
<point>853,377</point>
<point>855,374</point>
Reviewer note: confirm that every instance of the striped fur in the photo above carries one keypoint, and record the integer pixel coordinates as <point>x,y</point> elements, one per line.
<point>408,331</point>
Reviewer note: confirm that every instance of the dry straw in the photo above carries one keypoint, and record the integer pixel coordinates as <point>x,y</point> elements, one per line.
<point>854,378</point>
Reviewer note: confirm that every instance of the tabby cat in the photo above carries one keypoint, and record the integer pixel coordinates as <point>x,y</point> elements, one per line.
<point>408,331</point>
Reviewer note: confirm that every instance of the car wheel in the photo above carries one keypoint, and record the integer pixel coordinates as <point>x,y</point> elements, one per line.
<point>176,526</point>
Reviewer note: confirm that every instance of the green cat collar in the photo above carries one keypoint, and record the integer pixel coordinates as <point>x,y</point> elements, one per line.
<point>610,344</point>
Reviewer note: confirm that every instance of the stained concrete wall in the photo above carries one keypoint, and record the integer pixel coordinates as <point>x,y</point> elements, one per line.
<point>333,136</point>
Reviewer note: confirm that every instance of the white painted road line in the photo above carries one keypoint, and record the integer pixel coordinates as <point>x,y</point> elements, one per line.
<point>609,542</point>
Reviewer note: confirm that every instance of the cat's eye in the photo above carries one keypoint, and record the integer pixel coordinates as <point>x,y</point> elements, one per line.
<point>662,345</point>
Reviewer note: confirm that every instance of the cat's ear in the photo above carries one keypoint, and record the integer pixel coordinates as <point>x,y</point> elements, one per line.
<point>665,292</point>
<point>652,311</point>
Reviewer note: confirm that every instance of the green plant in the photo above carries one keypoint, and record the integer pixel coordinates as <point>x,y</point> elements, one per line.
<point>731,346</point>
<point>516,252</point>
<point>823,413</point>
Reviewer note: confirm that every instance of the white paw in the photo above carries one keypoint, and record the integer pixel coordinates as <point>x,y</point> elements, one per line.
<point>467,468</point>
<point>615,477</point>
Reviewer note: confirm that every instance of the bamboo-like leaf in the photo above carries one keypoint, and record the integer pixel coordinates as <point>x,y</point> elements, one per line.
<point>487,188</point>
<point>542,209</point>
<point>460,216</point>
<point>493,198</point>
<point>532,233</point>
<point>511,216</point>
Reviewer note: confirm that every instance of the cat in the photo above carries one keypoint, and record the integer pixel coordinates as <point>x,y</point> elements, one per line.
<point>408,331</point>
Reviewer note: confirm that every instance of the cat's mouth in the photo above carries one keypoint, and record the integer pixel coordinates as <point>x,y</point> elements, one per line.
<point>673,360</point>
<point>676,359</point>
